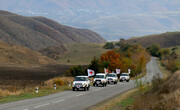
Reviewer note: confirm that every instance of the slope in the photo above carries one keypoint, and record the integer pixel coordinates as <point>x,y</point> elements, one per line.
<point>38,33</point>
<point>15,54</point>
<point>168,39</point>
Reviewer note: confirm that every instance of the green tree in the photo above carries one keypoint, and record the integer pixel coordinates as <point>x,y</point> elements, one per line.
<point>154,50</point>
<point>109,45</point>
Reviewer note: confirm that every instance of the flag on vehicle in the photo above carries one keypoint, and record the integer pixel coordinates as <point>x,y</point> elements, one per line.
<point>90,72</point>
<point>129,71</point>
<point>105,71</point>
<point>118,71</point>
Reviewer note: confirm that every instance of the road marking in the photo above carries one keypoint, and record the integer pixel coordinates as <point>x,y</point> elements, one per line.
<point>41,105</point>
<point>79,95</point>
<point>98,89</point>
<point>58,101</point>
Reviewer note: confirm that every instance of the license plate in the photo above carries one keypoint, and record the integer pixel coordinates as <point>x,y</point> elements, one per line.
<point>78,86</point>
<point>98,82</point>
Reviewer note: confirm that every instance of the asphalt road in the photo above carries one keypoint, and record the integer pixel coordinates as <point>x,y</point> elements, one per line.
<point>80,100</point>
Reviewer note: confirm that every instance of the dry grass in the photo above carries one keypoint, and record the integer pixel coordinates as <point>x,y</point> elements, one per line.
<point>4,93</point>
<point>52,81</point>
<point>163,95</point>
<point>114,102</point>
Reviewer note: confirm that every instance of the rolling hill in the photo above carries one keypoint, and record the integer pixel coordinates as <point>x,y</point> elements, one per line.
<point>38,33</point>
<point>113,19</point>
<point>15,54</point>
<point>168,39</point>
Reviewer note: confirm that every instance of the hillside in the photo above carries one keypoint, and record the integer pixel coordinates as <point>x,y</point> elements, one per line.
<point>38,32</point>
<point>113,19</point>
<point>81,54</point>
<point>168,39</point>
<point>14,54</point>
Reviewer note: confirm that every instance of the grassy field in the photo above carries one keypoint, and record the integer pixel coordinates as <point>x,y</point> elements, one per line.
<point>81,54</point>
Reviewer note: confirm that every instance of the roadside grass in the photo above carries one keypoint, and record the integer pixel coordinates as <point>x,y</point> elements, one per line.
<point>143,73</point>
<point>81,54</point>
<point>44,89</point>
<point>118,102</point>
<point>165,72</point>
<point>32,94</point>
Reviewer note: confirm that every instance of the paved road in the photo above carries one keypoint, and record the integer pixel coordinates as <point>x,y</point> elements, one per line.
<point>80,100</point>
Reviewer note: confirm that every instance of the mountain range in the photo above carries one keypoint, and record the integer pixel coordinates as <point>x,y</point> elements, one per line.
<point>38,33</point>
<point>113,19</point>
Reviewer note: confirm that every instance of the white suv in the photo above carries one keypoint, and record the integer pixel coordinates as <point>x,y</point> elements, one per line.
<point>124,77</point>
<point>100,78</point>
<point>112,77</point>
<point>81,82</point>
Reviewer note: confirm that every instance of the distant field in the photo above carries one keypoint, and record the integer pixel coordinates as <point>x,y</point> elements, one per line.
<point>81,54</point>
<point>177,50</point>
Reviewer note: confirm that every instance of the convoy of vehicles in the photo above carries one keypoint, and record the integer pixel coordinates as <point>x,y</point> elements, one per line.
<point>112,78</point>
<point>100,79</point>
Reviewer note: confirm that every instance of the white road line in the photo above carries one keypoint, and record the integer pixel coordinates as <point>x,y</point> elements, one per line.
<point>98,89</point>
<point>58,101</point>
<point>41,105</point>
<point>79,95</point>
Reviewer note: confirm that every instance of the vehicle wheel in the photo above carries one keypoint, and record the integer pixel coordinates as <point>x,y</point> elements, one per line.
<point>94,84</point>
<point>105,84</point>
<point>85,88</point>
<point>108,83</point>
<point>73,89</point>
<point>127,80</point>
<point>120,80</point>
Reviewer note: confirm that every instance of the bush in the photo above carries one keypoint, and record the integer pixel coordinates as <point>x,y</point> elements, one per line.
<point>76,71</point>
<point>59,82</point>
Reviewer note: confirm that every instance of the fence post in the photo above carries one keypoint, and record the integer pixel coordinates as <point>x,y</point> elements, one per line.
<point>54,86</point>
<point>69,83</point>
<point>36,89</point>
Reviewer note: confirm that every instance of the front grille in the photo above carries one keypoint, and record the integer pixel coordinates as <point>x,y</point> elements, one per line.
<point>98,80</point>
<point>78,83</point>
<point>110,79</point>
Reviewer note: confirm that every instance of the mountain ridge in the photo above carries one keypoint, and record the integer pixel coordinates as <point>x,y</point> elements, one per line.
<point>36,32</point>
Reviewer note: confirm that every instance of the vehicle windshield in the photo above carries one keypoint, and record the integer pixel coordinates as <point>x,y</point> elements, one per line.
<point>99,76</point>
<point>111,75</point>
<point>124,75</point>
<point>80,79</point>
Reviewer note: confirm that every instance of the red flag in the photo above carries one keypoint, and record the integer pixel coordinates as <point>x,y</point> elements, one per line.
<point>90,72</point>
<point>118,71</point>
<point>105,71</point>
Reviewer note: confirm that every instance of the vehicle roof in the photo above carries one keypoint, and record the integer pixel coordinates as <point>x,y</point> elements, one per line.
<point>82,76</point>
<point>112,73</point>
<point>100,74</point>
<point>124,73</point>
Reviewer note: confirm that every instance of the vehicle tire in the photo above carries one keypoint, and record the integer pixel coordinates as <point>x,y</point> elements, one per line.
<point>88,88</point>
<point>73,89</point>
<point>120,80</point>
<point>94,84</point>
<point>105,84</point>
<point>85,88</point>
<point>127,80</point>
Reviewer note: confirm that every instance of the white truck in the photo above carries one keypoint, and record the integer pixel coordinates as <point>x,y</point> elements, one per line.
<point>81,82</point>
<point>112,78</point>
<point>100,79</point>
<point>124,77</point>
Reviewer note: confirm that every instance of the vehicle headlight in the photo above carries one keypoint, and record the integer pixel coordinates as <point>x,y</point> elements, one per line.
<point>74,84</point>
